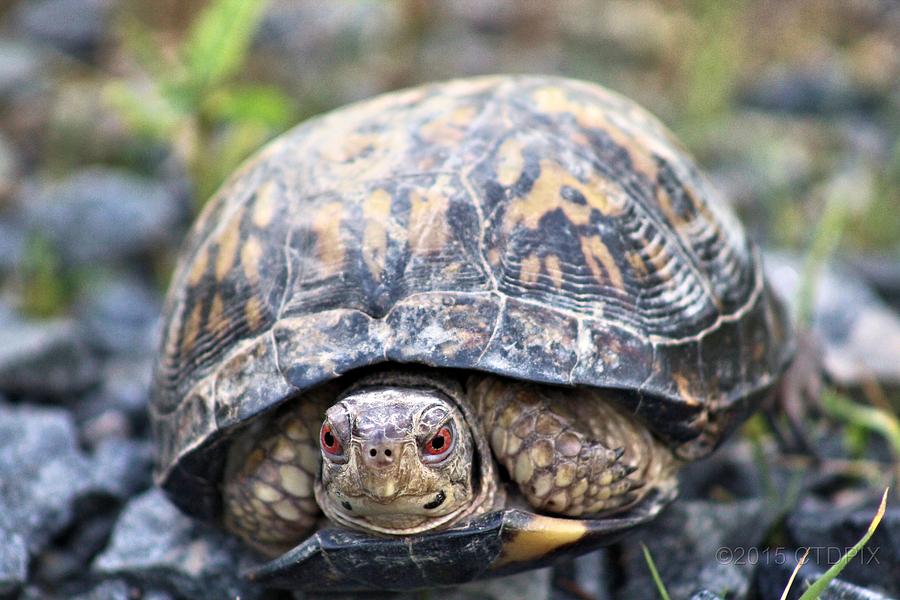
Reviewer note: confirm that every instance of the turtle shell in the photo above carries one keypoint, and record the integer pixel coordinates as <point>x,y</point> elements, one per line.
<point>535,227</point>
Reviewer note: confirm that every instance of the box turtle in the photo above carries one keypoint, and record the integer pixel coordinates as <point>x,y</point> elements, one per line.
<point>455,332</point>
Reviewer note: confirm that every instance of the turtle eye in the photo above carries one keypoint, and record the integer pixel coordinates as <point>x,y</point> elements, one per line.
<point>440,444</point>
<point>330,443</point>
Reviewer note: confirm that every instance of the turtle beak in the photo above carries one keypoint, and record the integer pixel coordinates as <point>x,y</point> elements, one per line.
<point>382,475</point>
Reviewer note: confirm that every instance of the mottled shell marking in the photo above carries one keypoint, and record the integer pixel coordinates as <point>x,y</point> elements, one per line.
<point>534,227</point>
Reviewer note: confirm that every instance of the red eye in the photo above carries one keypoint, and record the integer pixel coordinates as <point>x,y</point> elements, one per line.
<point>440,443</point>
<point>330,443</point>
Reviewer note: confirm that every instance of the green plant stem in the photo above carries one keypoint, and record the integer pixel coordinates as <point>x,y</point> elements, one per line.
<point>818,586</point>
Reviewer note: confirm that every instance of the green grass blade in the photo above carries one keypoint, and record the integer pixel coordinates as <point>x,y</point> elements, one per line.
<point>660,586</point>
<point>825,241</point>
<point>866,417</point>
<point>219,39</point>
<point>816,589</point>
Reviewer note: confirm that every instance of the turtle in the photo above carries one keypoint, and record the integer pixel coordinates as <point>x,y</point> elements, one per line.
<point>456,331</point>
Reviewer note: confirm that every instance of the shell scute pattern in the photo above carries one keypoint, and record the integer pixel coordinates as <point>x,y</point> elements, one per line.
<point>408,249</point>
<point>538,228</point>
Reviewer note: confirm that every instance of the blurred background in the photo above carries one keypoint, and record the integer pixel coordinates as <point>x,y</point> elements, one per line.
<point>119,118</point>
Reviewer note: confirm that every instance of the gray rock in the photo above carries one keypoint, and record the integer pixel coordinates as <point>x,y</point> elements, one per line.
<point>155,546</point>
<point>9,168</point>
<point>113,589</point>
<point>696,545</point>
<point>120,316</point>
<point>12,245</point>
<point>883,273</point>
<point>13,562</point>
<point>706,595</point>
<point>330,53</point>
<point>43,473</point>
<point>101,215</point>
<point>818,89</point>
<point>118,408</point>
<point>77,27</point>
<point>529,585</point>
<point>587,576</point>
<point>46,358</point>
<point>860,334</point>
<point>49,485</point>
<point>20,65</point>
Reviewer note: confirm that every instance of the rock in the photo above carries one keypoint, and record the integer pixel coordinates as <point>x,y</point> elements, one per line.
<point>830,530</point>
<point>820,88</point>
<point>123,467</point>
<point>9,168</point>
<point>101,215</point>
<point>13,562</point>
<point>77,27</point>
<point>118,589</point>
<point>696,545</point>
<point>154,546</point>
<point>12,245</point>
<point>772,578</point>
<point>732,469</point>
<point>706,595</point>
<point>330,53</point>
<point>529,585</point>
<point>20,65</point>
<point>46,358</point>
<point>118,408</point>
<point>120,316</point>
<point>587,576</point>
<point>860,334</point>
<point>43,473</point>
<point>50,486</point>
<point>882,272</point>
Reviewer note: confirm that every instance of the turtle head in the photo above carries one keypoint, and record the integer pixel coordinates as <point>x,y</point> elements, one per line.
<point>396,460</point>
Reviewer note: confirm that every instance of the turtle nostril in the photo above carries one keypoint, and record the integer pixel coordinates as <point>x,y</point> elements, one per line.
<point>387,452</point>
<point>373,452</point>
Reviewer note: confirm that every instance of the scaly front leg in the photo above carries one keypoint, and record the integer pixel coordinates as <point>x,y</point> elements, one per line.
<point>571,451</point>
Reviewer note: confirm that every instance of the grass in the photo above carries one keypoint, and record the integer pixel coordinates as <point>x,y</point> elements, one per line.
<point>826,238</point>
<point>194,99</point>
<point>815,590</point>
<point>868,418</point>
<point>45,289</point>
<point>660,586</point>
<point>817,587</point>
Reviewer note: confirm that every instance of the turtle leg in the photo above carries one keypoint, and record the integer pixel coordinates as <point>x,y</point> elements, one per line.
<point>571,451</point>
<point>270,475</point>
